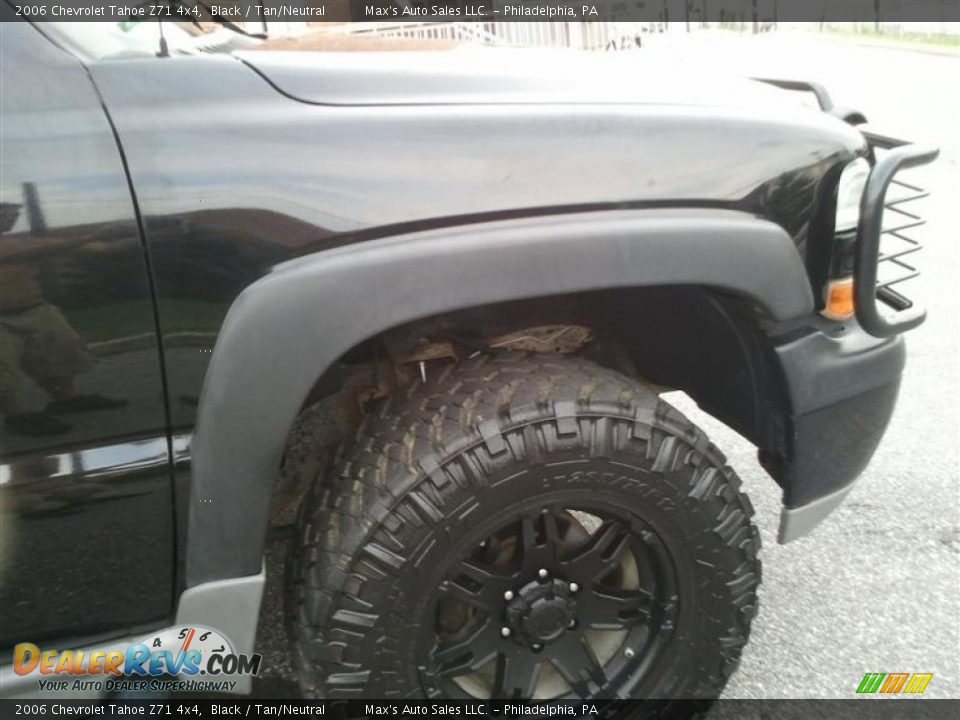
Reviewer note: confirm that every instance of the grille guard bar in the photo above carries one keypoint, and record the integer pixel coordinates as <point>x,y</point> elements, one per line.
<point>900,155</point>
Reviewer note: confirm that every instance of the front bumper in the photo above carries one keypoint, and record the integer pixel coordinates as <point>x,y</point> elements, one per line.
<point>842,387</point>
<point>843,381</point>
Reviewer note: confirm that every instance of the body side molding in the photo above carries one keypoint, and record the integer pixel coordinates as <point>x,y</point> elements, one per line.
<point>287,328</point>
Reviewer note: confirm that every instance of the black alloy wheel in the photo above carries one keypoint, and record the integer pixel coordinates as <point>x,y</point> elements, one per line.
<point>558,601</point>
<point>523,527</point>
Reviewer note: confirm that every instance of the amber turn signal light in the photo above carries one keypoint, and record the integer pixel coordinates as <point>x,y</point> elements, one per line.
<point>839,305</point>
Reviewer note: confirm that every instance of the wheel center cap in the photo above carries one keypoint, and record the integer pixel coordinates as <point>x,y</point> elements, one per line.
<point>547,620</point>
<point>542,612</point>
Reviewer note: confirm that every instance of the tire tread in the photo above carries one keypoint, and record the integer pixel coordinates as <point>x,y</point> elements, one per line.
<point>450,430</point>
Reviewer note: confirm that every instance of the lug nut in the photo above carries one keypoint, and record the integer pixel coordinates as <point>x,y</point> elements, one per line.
<point>536,647</point>
<point>574,587</point>
<point>542,572</point>
<point>572,624</point>
<point>505,631</point>
<point>629,652</point>
<point>508,595</point>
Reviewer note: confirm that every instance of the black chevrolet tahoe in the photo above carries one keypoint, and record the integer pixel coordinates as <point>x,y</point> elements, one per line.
<point>424,306</point>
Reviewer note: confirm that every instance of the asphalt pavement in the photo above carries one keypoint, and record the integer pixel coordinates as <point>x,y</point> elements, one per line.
<point>876,588</point>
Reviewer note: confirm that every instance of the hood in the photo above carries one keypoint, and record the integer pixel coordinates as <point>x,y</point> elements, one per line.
<point>501,76</point>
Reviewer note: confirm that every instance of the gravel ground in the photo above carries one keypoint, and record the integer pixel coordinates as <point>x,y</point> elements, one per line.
<point>877,587</point>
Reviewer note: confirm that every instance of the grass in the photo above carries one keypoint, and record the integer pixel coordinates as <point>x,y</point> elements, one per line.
<point>118,320</point>
<point>907,38</point>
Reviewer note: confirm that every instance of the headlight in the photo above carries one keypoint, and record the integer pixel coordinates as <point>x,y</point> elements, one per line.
<point>853,180</point>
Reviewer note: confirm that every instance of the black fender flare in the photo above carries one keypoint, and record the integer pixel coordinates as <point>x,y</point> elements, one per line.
<point>286,329</point>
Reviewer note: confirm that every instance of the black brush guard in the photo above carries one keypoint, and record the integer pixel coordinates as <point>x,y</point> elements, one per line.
<point>868,287</point>
<point>897,155</point>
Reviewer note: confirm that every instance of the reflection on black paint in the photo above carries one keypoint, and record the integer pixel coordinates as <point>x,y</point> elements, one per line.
<point>36,341</point>
<point>233,177</point>
<point>85,484</point>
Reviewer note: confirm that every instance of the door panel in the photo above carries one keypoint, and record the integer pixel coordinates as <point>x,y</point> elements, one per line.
<point>86,523</point>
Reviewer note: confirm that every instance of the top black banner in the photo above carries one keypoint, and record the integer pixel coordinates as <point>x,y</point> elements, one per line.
<point>246,13</point>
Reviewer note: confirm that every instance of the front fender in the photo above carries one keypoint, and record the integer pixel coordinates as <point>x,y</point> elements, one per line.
<point>287,328</point>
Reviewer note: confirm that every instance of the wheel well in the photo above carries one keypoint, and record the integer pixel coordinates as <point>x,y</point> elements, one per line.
<point>688,338</point>
<point>289,326</point>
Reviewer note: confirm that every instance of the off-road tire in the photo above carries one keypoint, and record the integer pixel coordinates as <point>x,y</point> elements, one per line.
<point>396,501</point>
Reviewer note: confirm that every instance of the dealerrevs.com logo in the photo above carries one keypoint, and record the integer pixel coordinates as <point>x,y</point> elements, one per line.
<point>192,658</point>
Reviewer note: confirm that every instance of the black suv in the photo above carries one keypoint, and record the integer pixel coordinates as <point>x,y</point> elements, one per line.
<point>426,303</point>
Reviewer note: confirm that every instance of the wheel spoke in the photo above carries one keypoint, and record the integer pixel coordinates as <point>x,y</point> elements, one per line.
<point>537,592</point>
<point>574,659</point>
<point>476,584</point>
<point>467,654</point>
<point>533,553</point>
<point>491,549</point>
<point>600,554</point>
<point>478,598</point>
<point>479,572</point>
<point>517,675</point>
<point>615,609</point>
<point>551,531</point>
